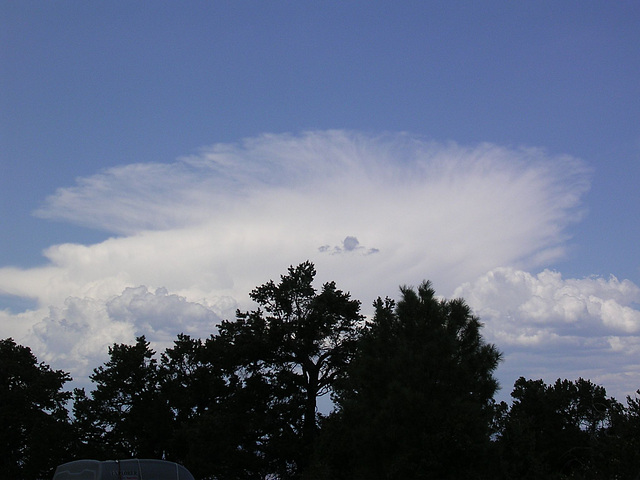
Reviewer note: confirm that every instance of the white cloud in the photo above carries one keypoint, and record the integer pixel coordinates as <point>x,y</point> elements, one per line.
<point>237,212</point>
<point>210,227</point>
<point>76,336</point>
<point>555,327</point>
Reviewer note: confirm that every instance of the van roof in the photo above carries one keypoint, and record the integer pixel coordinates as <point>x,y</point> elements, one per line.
<point>129,469</point>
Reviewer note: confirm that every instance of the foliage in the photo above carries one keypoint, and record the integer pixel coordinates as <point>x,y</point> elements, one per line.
<point>35,434</point>
<point>622,445</point>
<point>413,392</point>
<point>126,414</point>
<point>417,400</point>
<point>557,431</point>
<point>293,348</point>
<point>217,423</point>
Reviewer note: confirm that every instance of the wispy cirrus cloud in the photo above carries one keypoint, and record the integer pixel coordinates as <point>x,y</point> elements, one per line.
<point>435,208</point>
<point>396,208</point>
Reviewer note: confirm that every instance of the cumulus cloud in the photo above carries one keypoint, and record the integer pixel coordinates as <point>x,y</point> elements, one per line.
<point>349,244</point>
<point>211,226</point>
<point>76,335</point>
<point>587,327</point>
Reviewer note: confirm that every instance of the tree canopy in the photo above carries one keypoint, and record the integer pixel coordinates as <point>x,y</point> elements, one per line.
<point>35,434</point>
<point>416,402</point>
<point>297,343</point>
<point>566,430</point>
<point>412,388</point>
<point>126,414</point>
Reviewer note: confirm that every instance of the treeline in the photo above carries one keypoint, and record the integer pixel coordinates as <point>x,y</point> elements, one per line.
<point>413,393</point>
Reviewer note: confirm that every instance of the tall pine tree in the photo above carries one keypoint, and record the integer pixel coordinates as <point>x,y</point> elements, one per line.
<point>417,401</point>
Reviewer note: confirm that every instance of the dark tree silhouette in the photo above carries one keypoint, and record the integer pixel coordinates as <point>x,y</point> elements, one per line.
<point>291,350</point>
<point>413,392</point>
<point>126,414</point>
<point>35,434</point>
<point>562,430</point>
<point>217,427</point>
<point>620,447</point>
<point>416,402</point>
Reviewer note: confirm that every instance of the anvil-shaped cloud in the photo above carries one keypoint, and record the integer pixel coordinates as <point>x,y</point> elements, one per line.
<point>211,226</point>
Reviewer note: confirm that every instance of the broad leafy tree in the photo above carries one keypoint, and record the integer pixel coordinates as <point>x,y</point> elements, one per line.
<point>35,434</point>
<point>417,400</point>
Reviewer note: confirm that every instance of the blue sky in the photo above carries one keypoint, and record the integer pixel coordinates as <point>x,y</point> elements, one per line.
<point>159,159</point>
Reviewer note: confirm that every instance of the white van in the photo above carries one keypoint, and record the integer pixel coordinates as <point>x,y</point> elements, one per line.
<point>129,469</point>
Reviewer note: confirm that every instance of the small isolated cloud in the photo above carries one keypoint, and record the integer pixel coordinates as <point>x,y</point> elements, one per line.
<point>551,326</point>
<point>349,244</point>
